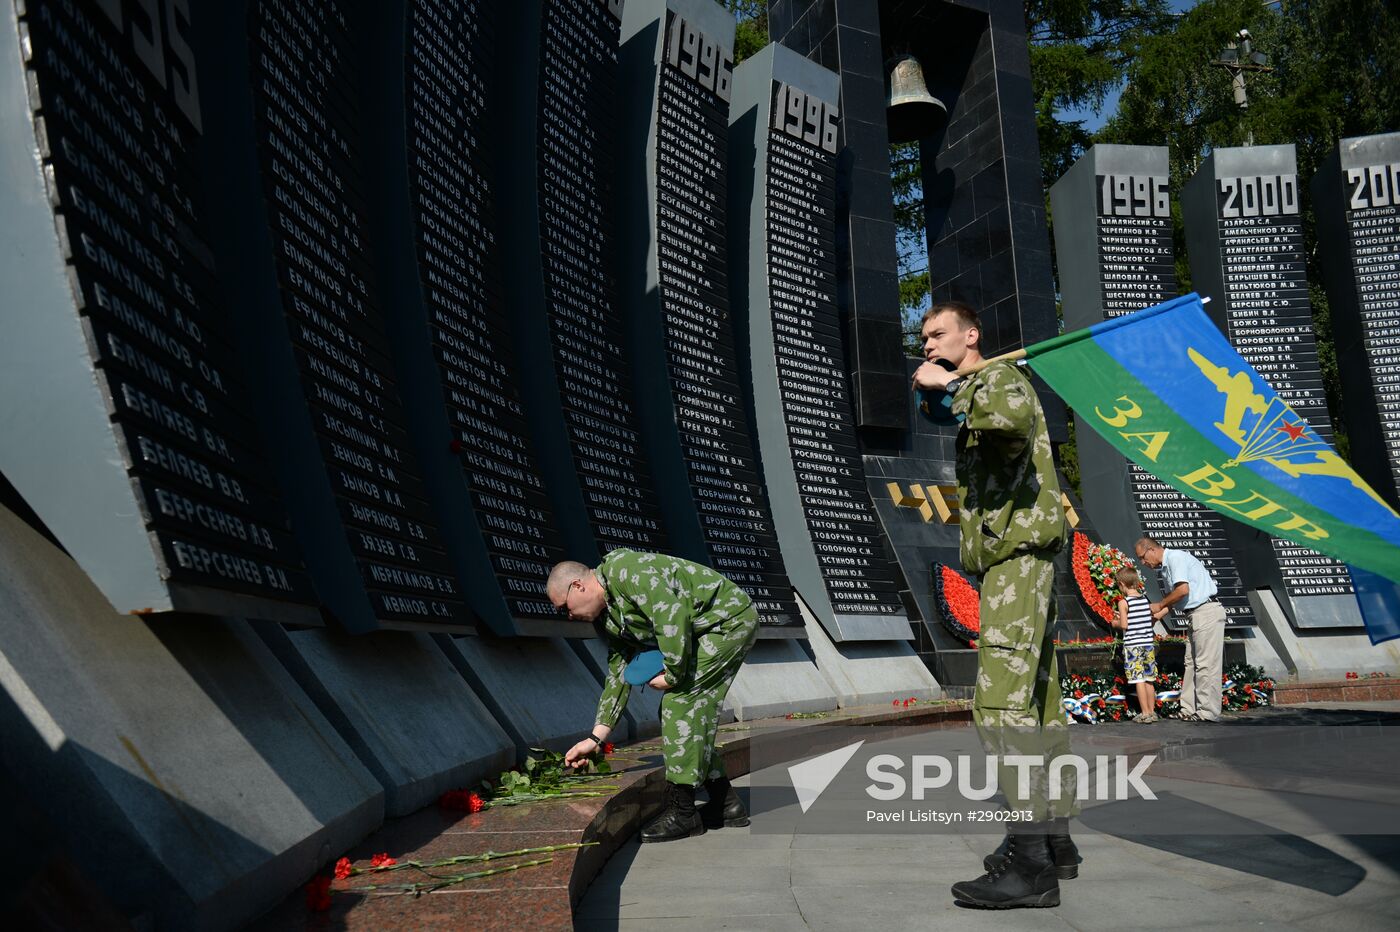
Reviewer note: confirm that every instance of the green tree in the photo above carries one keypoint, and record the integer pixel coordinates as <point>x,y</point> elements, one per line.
<point>911,246</point>
<point>1079,51</point>
<point>751,32</point>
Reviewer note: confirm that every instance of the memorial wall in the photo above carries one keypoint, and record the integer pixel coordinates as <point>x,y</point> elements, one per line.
<point>452,110</point>
<point>1242,211</point>
<point>1356,198</point>
<point>386,369</point>
<point>1113,239</point>
<point>786,118</point>
<point>307,83</point>
<point>131,430</point>
<point>680,302</point>
<point>576,160</point>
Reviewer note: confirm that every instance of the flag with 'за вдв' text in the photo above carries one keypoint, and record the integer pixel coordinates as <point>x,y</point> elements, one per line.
<point>1167,390</point>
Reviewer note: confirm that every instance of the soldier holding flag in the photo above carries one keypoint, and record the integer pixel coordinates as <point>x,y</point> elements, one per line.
<point>1012,525</point>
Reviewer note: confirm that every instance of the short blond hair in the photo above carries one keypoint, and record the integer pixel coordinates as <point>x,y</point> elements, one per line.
<point>563,576</point>
<point>1128,578</point>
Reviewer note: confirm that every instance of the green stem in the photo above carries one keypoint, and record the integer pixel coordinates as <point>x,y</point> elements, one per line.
<point>471,858</point>
<point>520,798</point>
<point>418,889</point>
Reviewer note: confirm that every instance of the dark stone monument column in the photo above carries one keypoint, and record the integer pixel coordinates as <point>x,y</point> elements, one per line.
<point>1356,197</point>
<point>677,68</point>
<point>1113,243</point>
<point>129,420</point>
<point>788,115</point>
<point>1245,237</point>
<point>314,316</point>
<point>434,163</point>
<point>843,36</point>
<point>558,162</point>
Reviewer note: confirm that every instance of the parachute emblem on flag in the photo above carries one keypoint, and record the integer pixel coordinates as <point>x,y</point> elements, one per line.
<point>1277,433</point>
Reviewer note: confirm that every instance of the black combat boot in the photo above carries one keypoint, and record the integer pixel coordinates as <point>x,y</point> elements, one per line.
<point>1062,848</point>
<point>1025,877</point>
<point>678,820</point>
<point>725,809</point>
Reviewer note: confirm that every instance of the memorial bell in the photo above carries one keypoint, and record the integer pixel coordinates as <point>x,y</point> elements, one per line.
<point>911,111</point>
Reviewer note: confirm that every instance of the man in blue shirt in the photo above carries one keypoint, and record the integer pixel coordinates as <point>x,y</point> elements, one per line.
<point>1192,586</point>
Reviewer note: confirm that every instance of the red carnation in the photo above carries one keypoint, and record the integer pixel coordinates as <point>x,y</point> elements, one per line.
<point>607,747</point>
<point>382,859</point>
<point>318,894</point>
<point>343,869</point>
<point>461,800</point>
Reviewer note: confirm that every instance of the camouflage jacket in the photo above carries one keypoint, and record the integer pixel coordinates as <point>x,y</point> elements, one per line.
<point>657,602</point>
<point>1010,497</point>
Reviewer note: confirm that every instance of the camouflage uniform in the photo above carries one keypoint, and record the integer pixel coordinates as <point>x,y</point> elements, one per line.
<point>1012,523</point>
<point>703,625</point>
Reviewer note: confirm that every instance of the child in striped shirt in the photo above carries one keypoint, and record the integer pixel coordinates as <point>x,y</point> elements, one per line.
<point>1139,659</point>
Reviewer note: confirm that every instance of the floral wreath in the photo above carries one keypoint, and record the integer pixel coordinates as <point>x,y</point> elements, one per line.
<point>1095,566</point>
<point>957,601</point>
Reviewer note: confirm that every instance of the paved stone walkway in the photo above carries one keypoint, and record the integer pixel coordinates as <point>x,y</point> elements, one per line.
<point>1300,878</point>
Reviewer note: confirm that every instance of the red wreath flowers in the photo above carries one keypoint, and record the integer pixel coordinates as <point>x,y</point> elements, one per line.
<point>958,603</point>
<point>1095,566</point>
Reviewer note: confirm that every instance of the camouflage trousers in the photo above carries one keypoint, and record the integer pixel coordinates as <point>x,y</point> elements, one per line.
<point>1017,705</point>
<point>690,710</point>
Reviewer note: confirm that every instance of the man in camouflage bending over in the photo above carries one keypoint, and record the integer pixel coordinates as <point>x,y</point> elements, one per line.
<point>1012,525</point>
<point>703,625</point>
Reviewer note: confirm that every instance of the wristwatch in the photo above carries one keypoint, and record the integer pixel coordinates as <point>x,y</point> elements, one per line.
<point>596,740</point>
<point>953,386</point>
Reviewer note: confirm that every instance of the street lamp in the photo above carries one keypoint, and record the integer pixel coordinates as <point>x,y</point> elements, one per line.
<point>1237,58</point>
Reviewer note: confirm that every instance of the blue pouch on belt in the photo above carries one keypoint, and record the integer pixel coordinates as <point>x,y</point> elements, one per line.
<point>643,668</point>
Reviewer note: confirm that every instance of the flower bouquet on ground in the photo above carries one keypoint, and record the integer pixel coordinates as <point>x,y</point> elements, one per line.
<point>1093,698</point>
<point>1095,566</point>
<point>544,776</point>
<point>431,876</point>
<point>1245,687</point>
<point>957,602</point>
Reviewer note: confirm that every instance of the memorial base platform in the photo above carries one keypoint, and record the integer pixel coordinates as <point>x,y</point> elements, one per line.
<point>1361,689</point>
<point>1319,653</point>
<point>168,771</point>
<point>537,689</point>
<point>400,705</point>
<point>871,672</point>
<point>778,677</point>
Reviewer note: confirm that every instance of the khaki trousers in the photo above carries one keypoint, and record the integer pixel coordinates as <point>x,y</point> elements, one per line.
<point>1205,655</point>
<point>1016,705</point>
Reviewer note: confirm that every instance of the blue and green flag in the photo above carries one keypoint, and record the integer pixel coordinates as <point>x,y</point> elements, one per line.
<point>1166,389</point>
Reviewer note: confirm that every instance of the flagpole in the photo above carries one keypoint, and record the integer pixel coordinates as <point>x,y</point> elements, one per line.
<point>979,366</point>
